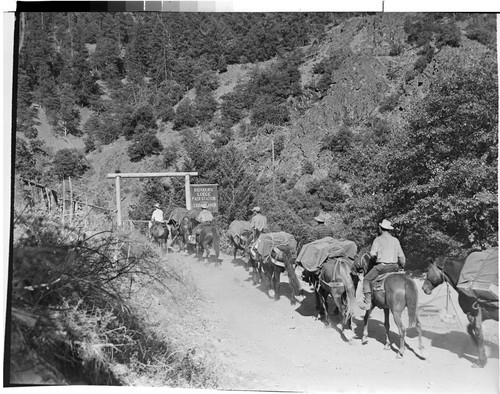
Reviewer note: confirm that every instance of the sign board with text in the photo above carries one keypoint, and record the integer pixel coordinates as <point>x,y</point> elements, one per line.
<point>204,194</point>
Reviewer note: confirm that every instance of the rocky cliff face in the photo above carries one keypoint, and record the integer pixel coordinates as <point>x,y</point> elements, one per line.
<point>367,73</point>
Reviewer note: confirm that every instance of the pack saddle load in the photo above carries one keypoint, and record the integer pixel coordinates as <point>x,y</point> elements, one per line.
<point>272,245</point>
<point>479,275</point>
<point>314,254</point>
<point>239,227</point>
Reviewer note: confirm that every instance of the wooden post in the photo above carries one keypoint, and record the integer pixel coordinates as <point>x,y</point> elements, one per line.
<point>188,191</point>
<point>63,201</point>
<point>118,203</point>
<point>70,200</point>
<point>48,198</point>
<point>119,175</point>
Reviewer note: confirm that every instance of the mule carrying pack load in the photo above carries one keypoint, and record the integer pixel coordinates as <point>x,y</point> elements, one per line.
<point>280,241</point>
<point>314,254</point>
<point>238,227</point>
<point>479,275</point>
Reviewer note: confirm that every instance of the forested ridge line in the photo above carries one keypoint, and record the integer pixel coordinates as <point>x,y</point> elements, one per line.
<point>370,115</point>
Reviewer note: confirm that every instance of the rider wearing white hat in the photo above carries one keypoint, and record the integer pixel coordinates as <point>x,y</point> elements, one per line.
<point>157,216</point>
<point>389,258</point>
<point>258,223</point>
<point>205,216</point>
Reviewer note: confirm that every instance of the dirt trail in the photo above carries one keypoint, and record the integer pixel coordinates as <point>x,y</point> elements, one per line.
<point>275,346</point>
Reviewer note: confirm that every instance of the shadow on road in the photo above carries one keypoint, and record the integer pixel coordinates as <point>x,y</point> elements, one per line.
<point>239,262</point>
<point>460,343</point>
<point>376,330</point>
<point>308,305</point>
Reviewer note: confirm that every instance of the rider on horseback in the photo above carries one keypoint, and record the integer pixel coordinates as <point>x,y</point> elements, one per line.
<point>157,216</point>
<point>321,230</point>
<point>258,223</point>
<point>389,254</point>
<point>204,218</point>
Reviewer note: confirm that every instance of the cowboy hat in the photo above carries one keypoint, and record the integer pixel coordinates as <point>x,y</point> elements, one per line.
<point>386,225</point>
<point>204,205</point>
<point>256,209</point>
<point>157,205</point>
<point>320,218</point>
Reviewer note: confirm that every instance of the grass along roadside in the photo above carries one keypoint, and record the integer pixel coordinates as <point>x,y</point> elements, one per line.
<point>85,308</point>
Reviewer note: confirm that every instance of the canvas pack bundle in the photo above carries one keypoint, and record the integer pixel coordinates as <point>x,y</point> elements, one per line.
<point>314,254</point>
<point>479,275</point>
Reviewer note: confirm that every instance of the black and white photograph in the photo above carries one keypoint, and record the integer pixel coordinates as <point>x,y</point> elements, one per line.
<point>211,197</point>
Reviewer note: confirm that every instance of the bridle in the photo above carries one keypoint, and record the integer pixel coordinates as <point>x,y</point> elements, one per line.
<point>361,263</point>
<point>440,271</point>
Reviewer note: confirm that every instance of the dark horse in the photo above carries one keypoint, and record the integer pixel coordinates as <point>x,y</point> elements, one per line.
<point>447,269</point>
<point>208,237</point>
<point>271,268</point>
<point>159,232</point>
<point>399,292</point>
<point>185,229</point>
<point>334,278</point>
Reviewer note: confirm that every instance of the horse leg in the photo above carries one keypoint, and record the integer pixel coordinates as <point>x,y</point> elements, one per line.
<point>252,263</point>
<point>319,302</point>
<point>266,277</point>
<point>420,345</point>
<point>387,327</point>
<point>364,340</point>
<point>341,303</point>
<point>324,303</point>
<point>276,282</point>
<point>402,332</point>
<point>205,251</point>
<point>478,337</point>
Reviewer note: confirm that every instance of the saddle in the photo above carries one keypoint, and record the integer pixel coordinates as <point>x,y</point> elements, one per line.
<point>275,256</point>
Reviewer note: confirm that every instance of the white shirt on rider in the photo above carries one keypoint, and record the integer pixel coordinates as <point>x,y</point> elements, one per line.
<point>157,215</point>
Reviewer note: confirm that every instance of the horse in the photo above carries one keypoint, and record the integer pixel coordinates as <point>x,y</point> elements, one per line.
<point>447,269</point>
<point>185,229</point>
<point>334,278</point>
<point>399,292</point>
<point>272,267</point>
<point>209,236</point>
<point>160,234</point>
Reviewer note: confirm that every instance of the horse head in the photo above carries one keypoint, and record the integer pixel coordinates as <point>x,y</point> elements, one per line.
<point>434,275</point>
<point>363,262</point>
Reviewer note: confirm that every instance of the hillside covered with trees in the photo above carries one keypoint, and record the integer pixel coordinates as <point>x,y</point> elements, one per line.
<point>370,115</point>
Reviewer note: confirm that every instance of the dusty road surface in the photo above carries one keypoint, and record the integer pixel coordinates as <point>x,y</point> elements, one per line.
<point>275,346</point>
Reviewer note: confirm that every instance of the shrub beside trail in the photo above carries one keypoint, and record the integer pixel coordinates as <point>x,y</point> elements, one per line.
<point>79,307</point>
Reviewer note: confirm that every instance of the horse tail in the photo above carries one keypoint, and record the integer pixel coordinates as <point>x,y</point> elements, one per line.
<point>290,269</point>
<point>411,294</point>
<point>344,271</point>
<point>216,242</point>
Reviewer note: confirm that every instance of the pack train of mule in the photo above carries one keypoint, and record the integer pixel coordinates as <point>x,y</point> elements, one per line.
<point>332,267</point>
